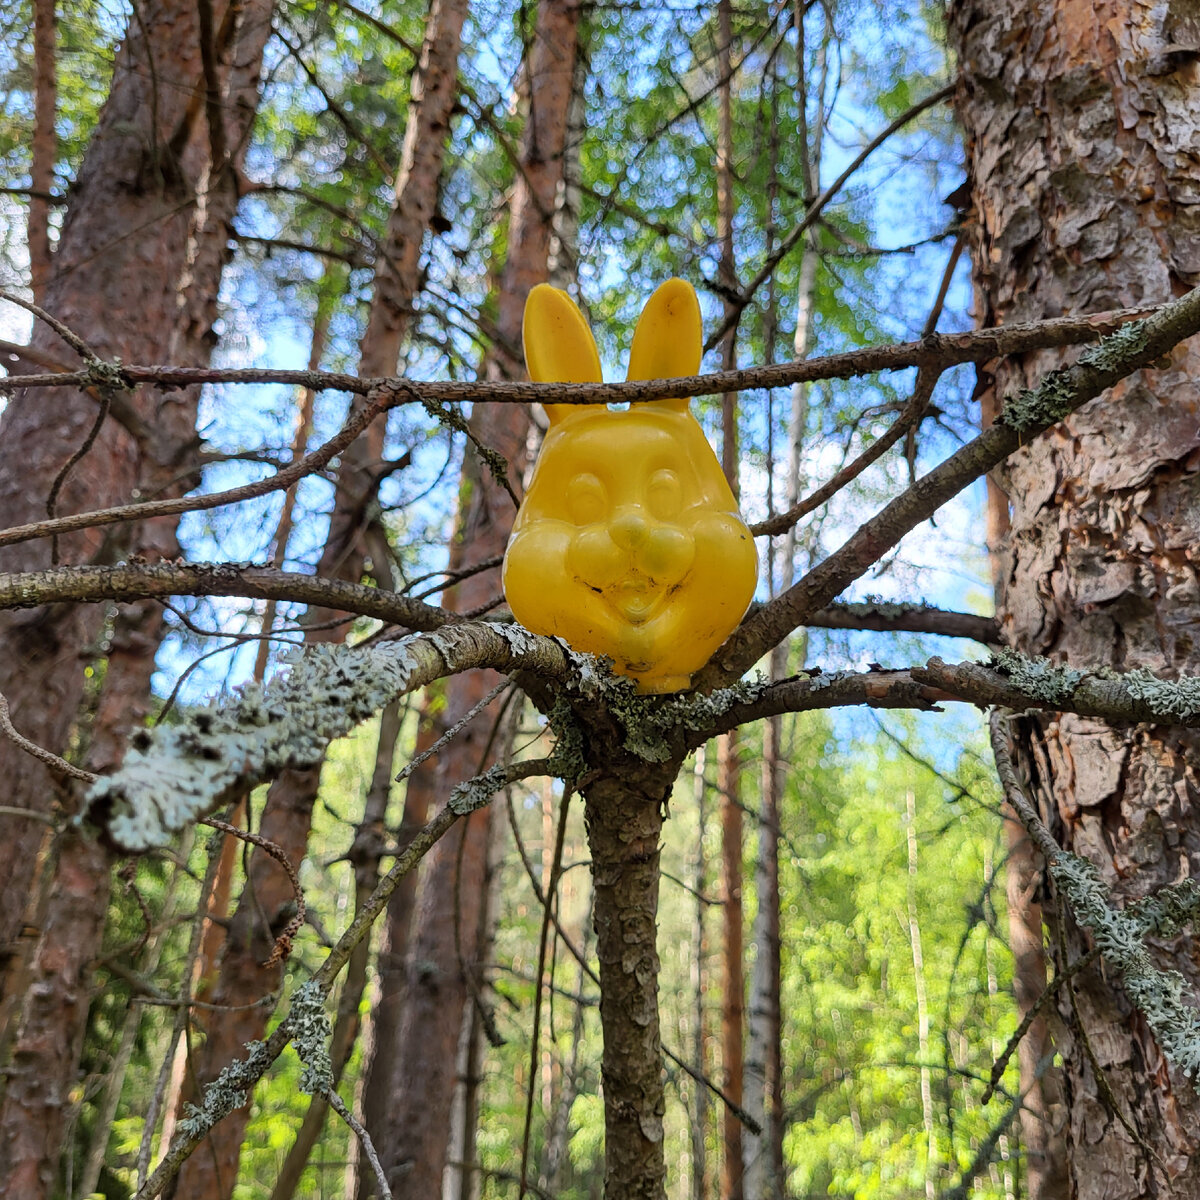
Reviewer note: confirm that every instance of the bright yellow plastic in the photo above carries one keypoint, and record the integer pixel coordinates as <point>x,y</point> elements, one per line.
<point>628,542</point>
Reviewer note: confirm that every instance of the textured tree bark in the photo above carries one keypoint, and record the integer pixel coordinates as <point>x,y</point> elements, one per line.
<point>365,854</point>
<point>624,817</point>
<point>45,143</point>
<point>391,962</point>
<point>443,968</point>
<point>118,219</point>
<point>120,258</point>
<point>1082,124</point>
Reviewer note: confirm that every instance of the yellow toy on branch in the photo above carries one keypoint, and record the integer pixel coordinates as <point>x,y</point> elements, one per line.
<point>628,543</point>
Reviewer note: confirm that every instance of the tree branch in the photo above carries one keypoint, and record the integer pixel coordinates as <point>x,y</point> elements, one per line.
<point>1023,417</point>
<point>137,580</point>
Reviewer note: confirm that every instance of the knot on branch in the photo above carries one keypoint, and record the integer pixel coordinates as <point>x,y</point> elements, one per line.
<point>106,376</point>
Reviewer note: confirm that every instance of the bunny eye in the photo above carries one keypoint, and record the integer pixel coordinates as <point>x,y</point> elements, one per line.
<point>587,501</point>
<point>664,495</point>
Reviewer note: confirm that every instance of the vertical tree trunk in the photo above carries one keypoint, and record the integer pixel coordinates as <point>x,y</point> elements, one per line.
<point>391,962</point>
<point>45,143</point>
<point>699,1093</point>
<point>440,980</point>
<point>365,854</point>
<point>1082,125</point>
<point>212,1171</point>
<point>119,264</point>
<point>918,961</point>
<point>624,822</point>
<point>138,208</point>
<point>733,1001</point>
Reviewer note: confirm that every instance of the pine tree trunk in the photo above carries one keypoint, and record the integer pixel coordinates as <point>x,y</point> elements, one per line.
<point>49,1032</point>
<point>443,971</point>
<point>379,1084</point>
<point>45,143</point>
<point>118,267</point>
<point>365,854</point>
<point>624,816</point>
<point>1082,127</point>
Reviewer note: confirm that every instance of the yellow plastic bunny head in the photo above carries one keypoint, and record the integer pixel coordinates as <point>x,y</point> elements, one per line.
<point>628,542</point>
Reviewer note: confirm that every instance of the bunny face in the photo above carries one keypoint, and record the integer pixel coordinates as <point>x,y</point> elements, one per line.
<point>628,542</point>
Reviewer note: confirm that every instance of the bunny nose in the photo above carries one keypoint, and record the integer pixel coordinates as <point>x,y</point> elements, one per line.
<point>628,529</point>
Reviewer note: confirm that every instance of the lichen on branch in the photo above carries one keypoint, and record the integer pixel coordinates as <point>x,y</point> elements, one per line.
<point>175,774</point>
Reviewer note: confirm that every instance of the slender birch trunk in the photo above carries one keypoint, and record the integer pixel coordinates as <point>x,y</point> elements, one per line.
<point>918,961</point>
<point>699,1108</point>
<point>733,984</point>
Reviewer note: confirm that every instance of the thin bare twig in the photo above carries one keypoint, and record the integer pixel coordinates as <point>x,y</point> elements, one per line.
<point>339,1106</point>
<point>39,752</point>
<point>283,943</point>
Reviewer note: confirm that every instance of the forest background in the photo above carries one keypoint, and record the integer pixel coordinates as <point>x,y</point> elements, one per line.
<point>848,925</point>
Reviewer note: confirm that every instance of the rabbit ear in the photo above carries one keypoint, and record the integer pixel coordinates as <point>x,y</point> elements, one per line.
<point>559,347</point>
<point>667,342</point>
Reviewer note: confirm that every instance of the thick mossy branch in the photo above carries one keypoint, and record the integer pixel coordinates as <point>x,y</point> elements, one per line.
<point>175,774</point>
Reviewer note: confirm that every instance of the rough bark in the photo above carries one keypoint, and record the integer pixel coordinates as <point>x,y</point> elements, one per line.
<point>443,970</point>
<point>397,270</point>
<point>391,962</point>
<point>171,227</point>
<point>43,1060</point>
<point>45,143</point>
<point>1082,123</point>
<point>365,854</point>
<point>119,260</point>
<point>624,816</point>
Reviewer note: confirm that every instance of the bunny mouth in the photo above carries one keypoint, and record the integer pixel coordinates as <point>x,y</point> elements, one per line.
<point>637,598</point>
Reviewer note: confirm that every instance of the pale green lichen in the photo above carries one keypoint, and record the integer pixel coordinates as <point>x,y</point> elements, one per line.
<point>1113,353</point>
<point>1121,936</point>
<point>1036,408</point>
<point>569,755</point>
<point>311,1031</point>
<point>1038,677</point>
<point>651,722</point>
<point>108,376</point>
<point>1177,699</point>
<point>180,772</point>
<point>474,793</point>
<point>229,1091</point>
<point>1058,393</point>
<point>818,681</point>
